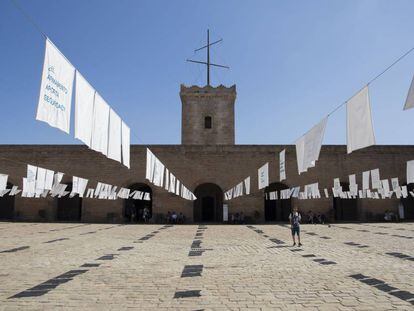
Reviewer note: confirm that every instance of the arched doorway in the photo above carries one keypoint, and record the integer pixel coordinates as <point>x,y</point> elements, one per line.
<point>408,203</point>
<point>69,209</point>
<point>345,209</point>
<point>209,204</point>
<point>276,210</point>
<point>7,205</point>
<point>134,209</point>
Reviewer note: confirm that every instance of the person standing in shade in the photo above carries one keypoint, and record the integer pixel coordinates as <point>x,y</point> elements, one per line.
<point>295,219</point>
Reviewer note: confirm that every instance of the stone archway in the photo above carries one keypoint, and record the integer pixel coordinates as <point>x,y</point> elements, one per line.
<point>7,205</point>
<point>209,204</point>
<point>69,209</point>
<point>345,209</point>
<point>276,210</point>
<point>134,209</point>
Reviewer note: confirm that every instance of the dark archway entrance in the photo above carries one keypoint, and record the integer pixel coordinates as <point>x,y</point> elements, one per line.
<point>7,205</point>
<point>69,209</point>
<point>408,203</point>
<point>209,204</point>
<point>345,209</point>
<point>134,209</point>
<point>276,210</point>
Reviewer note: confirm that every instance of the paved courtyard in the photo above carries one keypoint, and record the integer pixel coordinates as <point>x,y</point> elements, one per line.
<point>206,267</point>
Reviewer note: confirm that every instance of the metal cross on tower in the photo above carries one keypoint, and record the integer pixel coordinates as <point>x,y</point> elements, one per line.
<point>208,64</point>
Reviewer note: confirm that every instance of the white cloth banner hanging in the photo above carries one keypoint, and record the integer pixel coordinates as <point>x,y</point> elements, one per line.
<point>126,142</point>
<point>57,178</point>
<point>14,190</point>
<point>247,185</point>
<point>172,183</point>
<point>309,145</point>
<point>31,180</point>
<point>3,181</point>
<point>365,180</point>
<point>158,173</point>
<point>40,180</point>
<point>149,173</point>
<point>386,187</point>
<point>55,97</point>
<point>84,101</point>
<point>49,179</point>
<point>395,183</point>
<point>263,176</point>
<point>360,131</point>
<point>409,102</point>
<point>167,179</point>
<point>337,184</point>
<point>282,165</point>
<point>375,179</point>
<point>114,140</point>
<point>177,189</point>
<point>410,172</point>
<point>100,125</point>
<point>352,179</point>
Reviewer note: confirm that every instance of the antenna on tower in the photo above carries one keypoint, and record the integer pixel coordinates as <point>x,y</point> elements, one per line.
<point>207,63</point>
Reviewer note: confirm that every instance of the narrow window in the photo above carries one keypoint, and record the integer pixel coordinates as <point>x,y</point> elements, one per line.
<point>207,122</point>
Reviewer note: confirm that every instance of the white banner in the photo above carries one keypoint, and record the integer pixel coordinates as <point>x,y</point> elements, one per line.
<point>114,140</point>
<point>100,125</point>
<point>360,131</point>
<point>247,185</point>
<point>375,179</point>
<point>263,176</point>
<point>365,180</point>
<point>3,181</point>
<point>309,145</point>
<point>410,172</point>
<point>84,101</point>
<point>282,164</point>
<point>126,141</point>
<point>55,97</point>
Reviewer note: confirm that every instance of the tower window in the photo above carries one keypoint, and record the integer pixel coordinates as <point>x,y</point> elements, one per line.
<point>207,122</point>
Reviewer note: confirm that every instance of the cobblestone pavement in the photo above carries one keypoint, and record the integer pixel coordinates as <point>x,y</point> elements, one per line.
<point>206,267</point>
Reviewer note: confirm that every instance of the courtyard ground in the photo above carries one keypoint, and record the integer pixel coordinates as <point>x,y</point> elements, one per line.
<point>49,266</point>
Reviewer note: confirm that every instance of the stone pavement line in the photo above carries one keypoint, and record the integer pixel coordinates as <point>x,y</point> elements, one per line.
<point>44,287</point>
<point>16,249</point>
<point>381,285</point>
<point>321,261</point>
<point>381,233</point>
<point>55,240</point>
<point>193,270</point>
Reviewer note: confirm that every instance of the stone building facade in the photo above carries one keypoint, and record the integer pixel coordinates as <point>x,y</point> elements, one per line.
<point>208,163</point>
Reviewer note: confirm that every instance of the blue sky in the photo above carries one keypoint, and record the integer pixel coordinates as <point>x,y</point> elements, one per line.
<point>292,63</point>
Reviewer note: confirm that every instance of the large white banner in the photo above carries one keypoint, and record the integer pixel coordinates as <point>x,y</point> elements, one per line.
<point>56,89</point>
<point>247,185</point>
<point>263,176</point>
<point>409,102</point>
<point>360,131</point>
<point>126,140</point>
<point>309,145</point>
<point>282,164</point>
<point>114,140</point>
<point>3,181</point>
<point>84,101</point>
<point>100,125</point>
<point>410,172</point>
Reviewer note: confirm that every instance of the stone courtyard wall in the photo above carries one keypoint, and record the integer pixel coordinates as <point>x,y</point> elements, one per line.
<point>223,165</point>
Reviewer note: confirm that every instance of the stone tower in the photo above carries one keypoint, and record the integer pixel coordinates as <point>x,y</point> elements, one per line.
<point>207,116</point>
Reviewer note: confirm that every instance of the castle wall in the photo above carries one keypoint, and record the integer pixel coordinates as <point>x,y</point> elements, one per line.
<point>224,166</point>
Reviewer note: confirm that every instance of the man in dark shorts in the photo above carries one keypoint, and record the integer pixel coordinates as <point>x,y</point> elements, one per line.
<point>295,219</point>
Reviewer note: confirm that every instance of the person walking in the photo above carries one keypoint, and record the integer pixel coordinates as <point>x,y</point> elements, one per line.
<point>295,219</point>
